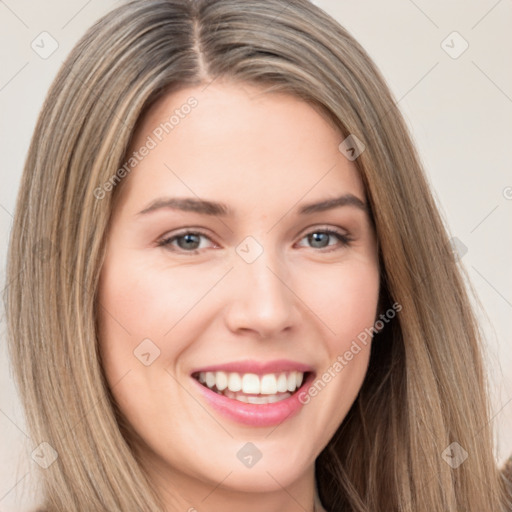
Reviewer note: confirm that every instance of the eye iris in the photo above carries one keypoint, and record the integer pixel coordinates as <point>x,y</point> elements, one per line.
<point>317,237</point>
<point>190,237</point>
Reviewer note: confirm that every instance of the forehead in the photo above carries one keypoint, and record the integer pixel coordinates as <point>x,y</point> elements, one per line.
<point>240,145</point>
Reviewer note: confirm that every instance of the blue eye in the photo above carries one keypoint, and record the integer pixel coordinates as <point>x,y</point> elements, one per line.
<point>190,241</point>
<point>318,237</point>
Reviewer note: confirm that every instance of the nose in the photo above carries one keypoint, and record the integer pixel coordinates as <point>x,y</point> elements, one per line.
<point>262,298</point>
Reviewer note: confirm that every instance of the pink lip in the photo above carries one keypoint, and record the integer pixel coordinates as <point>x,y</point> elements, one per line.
<point>255,415</point>
<point>257,367</point>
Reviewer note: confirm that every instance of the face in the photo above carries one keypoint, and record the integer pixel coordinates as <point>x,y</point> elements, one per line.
<point>228,299</point>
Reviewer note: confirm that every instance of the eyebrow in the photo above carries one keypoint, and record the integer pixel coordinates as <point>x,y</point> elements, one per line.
<point>204,207</point>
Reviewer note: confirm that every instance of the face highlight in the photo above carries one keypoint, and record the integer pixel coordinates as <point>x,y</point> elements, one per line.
<point>241,262</point>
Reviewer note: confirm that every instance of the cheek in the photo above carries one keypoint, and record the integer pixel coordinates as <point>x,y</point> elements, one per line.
<point>344,298</point>
<point>138,301</point>
<point>131,311</point>
<point>347,305</point>
<point>138,306</point>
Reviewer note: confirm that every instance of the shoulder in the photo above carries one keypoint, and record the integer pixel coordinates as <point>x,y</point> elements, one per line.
<point>506,472</point>
<point>506,469</point>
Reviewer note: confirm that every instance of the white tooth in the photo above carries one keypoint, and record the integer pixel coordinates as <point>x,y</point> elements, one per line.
<point>234,382</point>
<point>300,376</point>
<point>282,383</point>
<point>277,398</point>
<point>292,381</point>
<point>202,378</point>
<point>257,399</point>
<point>210,379</point>
<point>229,393</point>
<point>221,380</point>
<point>242,398</point>
<point>251,383</point>
<point>268,384</point>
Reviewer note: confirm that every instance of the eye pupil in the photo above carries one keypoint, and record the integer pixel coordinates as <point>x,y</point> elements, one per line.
<point>190,237</point>
<point>317,237</point>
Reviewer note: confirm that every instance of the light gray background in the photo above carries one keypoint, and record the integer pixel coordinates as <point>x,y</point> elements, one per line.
<point>459,111</point>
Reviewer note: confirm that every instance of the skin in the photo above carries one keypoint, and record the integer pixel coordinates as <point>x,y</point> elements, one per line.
<point>264,155</point>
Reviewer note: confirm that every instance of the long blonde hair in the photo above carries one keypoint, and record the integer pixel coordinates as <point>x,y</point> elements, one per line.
<point>425,387</point>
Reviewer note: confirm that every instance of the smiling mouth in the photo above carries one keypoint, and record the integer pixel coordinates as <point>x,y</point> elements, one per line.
<point>252,388</point>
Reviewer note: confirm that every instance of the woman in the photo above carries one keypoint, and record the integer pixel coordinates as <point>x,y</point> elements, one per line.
<point>261,369</point>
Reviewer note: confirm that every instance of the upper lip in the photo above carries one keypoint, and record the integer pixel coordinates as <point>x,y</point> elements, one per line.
<point>257,367</point>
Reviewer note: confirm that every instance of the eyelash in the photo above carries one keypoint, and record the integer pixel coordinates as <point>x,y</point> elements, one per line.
<point>344,239</point>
